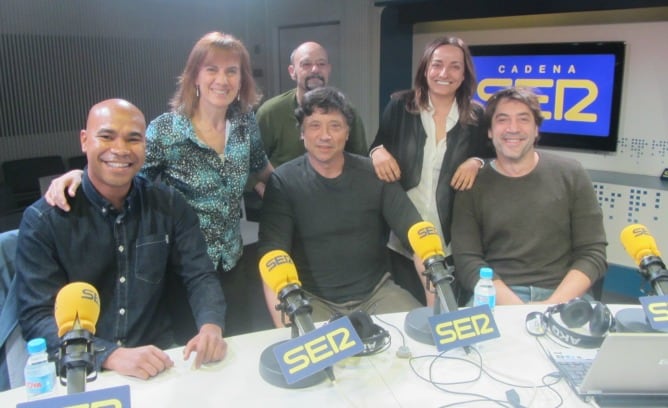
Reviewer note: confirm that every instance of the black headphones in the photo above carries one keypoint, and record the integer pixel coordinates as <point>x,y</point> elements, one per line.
<point>574,314</point>
<point>374,337</point>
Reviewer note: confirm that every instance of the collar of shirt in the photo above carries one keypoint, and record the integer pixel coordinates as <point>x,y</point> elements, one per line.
<point>428,120</point>
<point>182,121</point>
<point>423,195</point>
<point>102,204</point>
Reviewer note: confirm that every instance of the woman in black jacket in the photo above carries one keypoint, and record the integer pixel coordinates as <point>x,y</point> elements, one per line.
<point>430,140</point>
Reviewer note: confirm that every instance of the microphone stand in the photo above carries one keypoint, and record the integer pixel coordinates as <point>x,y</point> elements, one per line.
<point>76,360</point>
<point>654,272</point>
<point>299,309</point>
<point>439,275</point>
<point>296,306</point>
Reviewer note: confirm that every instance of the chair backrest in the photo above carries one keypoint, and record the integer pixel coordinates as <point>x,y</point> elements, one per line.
<point>13,353</point>
<point>7,200</point>
<point>23,175</point>
<point>10,212</point>
<point>77,162</point>
<point>7,253</point>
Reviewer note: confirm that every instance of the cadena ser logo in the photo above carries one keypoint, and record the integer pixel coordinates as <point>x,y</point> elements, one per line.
<point>575,91</point>
<point>427,231</point>
<point>463,327</point>
<point>112,397</point>
<point>88,294</point>
<point>656,311</point>
<point>306,355</point>
<point>278,260</point>
<point>640,231</point>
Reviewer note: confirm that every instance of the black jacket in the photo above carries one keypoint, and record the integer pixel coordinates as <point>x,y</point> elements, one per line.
<point>402,134</point>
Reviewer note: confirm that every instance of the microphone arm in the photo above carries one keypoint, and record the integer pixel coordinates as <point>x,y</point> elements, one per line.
<point>654,271</point>
<point>297,308</point>
<point>440,275</point>
<point>76,360</point>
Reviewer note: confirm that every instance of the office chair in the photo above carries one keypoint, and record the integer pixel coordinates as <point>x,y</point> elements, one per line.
<point>13,353</point>
<point>10,212</point>
<point>77,162</point>
<point>23,175</point>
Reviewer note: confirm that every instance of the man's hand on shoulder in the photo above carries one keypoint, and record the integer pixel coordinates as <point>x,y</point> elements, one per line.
<point>208,344</point>
<point>141,362</point>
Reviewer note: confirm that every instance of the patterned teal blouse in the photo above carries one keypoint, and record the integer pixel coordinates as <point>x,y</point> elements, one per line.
<point>212,185</point>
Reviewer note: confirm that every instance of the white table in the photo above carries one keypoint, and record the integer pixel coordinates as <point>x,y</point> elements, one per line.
<point>382,380</point>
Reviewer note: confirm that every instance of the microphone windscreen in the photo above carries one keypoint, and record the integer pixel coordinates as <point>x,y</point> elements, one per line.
<point>424,240</point>
<point>278,270</point>
<point>77,301</point>
<point>638,242</point>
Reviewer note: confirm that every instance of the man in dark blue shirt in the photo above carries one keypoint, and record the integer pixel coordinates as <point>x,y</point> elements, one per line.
<point>127,237</point>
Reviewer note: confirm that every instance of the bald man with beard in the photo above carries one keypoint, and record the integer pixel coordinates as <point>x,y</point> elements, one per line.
<point>310,69</point>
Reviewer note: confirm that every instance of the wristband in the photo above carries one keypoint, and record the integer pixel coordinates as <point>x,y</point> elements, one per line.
<point>482,162</point>
<point>374,149</point>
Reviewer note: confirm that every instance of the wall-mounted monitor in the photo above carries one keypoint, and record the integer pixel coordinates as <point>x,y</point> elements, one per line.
<point>579,87</point>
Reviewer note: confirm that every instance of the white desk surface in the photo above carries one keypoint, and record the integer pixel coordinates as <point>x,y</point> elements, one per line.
<point>382,380</point>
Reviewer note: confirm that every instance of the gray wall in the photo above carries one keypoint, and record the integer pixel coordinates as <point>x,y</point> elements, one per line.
<point>175,25</point>
<point>626,181</point>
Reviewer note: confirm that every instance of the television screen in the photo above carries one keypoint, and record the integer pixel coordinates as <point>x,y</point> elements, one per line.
<point>579,87</point>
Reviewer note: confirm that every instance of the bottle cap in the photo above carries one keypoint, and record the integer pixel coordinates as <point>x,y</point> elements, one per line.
<point>37,345</point>
<point>486,273</point>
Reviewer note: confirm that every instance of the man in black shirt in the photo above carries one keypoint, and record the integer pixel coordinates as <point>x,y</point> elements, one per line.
<point>331,213</point>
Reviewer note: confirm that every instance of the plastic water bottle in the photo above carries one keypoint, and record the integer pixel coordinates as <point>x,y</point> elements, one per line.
<point>484,292</point>
<point>39,372</point>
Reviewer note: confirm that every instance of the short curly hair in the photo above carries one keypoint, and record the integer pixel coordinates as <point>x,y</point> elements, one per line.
<point>327,99</point>
<point>524,95</point>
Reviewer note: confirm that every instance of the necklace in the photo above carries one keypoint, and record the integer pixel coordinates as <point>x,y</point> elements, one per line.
<point>212,137</point>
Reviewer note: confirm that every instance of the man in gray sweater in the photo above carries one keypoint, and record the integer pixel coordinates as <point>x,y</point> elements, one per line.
<point>531,216</point>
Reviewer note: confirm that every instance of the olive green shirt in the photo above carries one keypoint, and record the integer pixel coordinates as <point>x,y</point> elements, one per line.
<point>281,135</point>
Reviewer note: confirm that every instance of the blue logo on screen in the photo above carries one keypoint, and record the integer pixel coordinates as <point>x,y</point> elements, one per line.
<point>575,91</point>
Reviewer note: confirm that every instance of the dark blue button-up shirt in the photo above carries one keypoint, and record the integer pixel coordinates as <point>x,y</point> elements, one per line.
<point>126,255</point>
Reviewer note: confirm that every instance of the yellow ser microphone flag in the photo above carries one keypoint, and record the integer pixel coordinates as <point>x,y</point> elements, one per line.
<point>77,301</point>
<point>278,270</point>
<point>424,240</point>
<point>638,242</point>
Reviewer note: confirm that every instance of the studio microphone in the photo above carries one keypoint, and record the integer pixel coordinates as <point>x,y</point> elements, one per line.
<point>426,244</point>
<point>641,246</point>
<point>77,309</point>
<point>279,273</point>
